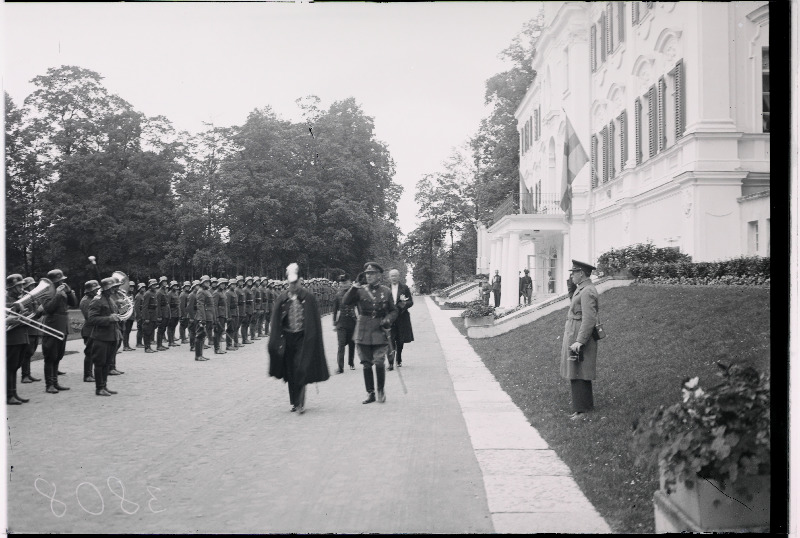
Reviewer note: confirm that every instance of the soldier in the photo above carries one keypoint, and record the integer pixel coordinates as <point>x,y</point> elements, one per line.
<point>163,312</point>
<point>89,292</point>
<point>174,313</point>
<point>344,322</point>
<point>105,334</point>
<point>255,324</point>
<point>232,333</point>
<point>56,317</point>
<point>248,310</point>
<point>220,299</point>
<point>127,325</point>
<point>34,335</point>
<point>240,302</point>
<point>16,342</point>
<point>137,312</point>
<point>376,312</point>
<point>204,316</point>
<point>149,314</point>
<point>182,315</point>
<point>212,330</point>
<point>191,312</point>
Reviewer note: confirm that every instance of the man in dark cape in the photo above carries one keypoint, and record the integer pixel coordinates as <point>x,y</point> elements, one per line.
<point>296,352</point>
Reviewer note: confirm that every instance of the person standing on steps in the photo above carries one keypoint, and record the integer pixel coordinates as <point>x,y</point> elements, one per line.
<point>296,351</point>
<point>496,286</point>
<point>376,312</point>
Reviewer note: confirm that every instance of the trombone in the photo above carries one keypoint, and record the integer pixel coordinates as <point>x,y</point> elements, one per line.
<point>15,319</point>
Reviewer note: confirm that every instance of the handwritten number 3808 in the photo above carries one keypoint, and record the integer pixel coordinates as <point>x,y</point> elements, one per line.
<point>59,509</point>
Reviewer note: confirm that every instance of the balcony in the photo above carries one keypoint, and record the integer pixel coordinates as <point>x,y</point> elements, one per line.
<point>529,203</point>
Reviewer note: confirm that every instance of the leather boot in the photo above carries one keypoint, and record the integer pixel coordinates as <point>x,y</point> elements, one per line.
<point>380,373</point>
<point>59,387</point>
<point>369,383</point>
<point>10,400</point>
<point>50,378</point>
<point>19,398</point>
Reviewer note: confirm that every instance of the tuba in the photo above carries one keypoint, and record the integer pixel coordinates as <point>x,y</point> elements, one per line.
<point>125,301</point>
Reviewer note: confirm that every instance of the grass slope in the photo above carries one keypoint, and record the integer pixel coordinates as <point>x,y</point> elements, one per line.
<point>658,336</point>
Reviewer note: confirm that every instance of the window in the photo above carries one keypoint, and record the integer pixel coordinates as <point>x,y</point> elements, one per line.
<point>765,89</point>
<point>752,238</point>
<point>610,40</point>
<point>639,10</point>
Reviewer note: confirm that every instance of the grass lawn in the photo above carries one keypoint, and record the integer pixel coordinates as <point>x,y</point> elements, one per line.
<point>657,337</point>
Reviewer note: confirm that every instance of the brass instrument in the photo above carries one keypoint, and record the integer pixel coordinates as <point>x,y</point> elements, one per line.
<point>125,301</point>
<point>43,291</point>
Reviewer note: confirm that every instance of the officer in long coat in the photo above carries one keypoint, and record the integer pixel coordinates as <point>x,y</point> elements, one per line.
<point>497,286</point>
<point>56,317</point>
<point>376,313</point>
<point>402,333</point>
<point>137,313</point>
<point>579,348</point>
<point>296,351</point>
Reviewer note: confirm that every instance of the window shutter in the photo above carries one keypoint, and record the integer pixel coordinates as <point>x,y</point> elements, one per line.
<point>637,117</point>
<point>635,13</point>
<point>621,20</point>
<point>603,37</point>
<point>661,90</point>
<point>539,121</point>
<point>680,110</point>
<point>604,136</point>
<point>651,117</point>
<point>593,47</point>
<point>623,139</point>
<point>594,161</point>
<point>612,172</point>
<point>536,124</point>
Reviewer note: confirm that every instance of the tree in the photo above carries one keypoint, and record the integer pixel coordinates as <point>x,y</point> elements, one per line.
<point>423,249</point>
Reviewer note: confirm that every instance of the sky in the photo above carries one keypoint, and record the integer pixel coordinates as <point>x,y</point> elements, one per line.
<point>418,69</point>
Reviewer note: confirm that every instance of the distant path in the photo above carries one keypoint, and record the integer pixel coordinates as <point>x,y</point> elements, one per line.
<point>218,441</point>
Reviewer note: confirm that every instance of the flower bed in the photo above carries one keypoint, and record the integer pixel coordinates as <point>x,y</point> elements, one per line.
<point>476,309</point>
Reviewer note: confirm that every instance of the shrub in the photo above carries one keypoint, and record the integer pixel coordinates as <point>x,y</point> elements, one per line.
<point>642,253</point>
<point>477,309</point>
<point>719,433</point>
<point>742,271</point>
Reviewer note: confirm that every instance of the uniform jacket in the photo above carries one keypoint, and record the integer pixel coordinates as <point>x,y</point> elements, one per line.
<point>375,307</point>
<point>581,319</point>
<point>205,305</point>
<point>402,325</point>
<point>496,283</point>
<point>310,365</point>
<point>344,316</point>
<point>137,305</point>
<point>174,304</point>
<point>182,300</point>
<point>19,334</point>
<point>55,311</point>
<point>163,303</point>
<point>221,302</point>
<point>257,298</point>
<point>248,301</point>
<point>233,302</point>
<point>191,305</point>
<point>240,301</point>
<point>526,283</point>
<point>150,306</point>
<point>102,327</point>
<point>84,306</point>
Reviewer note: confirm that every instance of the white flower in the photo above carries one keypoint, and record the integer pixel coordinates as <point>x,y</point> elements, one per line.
<point>692,383</point>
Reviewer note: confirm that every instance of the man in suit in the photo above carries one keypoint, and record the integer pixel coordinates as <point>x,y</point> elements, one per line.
<point>89,293</point>
<point>344,322</point>
<point>496,286</point>
<point>16,341</point>
<point>105,334</point>
<point>162,300</point>
<point>376,312</point>
<point>34,335</point>
<point>402,332</point>
<point>56,317</point>
<point>149,314</point>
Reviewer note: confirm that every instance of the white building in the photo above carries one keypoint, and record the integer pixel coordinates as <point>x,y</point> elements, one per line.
<point>671,101</point>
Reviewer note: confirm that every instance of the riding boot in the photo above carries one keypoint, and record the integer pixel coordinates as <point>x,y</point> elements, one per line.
<point>380,373</point>
<point>51,378</point>
<point>369,383</point>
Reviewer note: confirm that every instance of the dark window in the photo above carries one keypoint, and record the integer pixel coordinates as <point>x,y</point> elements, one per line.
<point>765,89</point>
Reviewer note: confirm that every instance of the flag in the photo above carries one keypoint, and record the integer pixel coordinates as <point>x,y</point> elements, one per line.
<point>574,159</point>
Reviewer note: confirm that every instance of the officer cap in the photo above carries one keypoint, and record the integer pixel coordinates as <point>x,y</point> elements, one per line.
<point>56,276</point>
<point>222,281</point>
<point>372,267</point>
<point>173,283</point>
<point>581,266</point>
<point>163,279</point>
<point>205,278</point>
<point>109,282</point>
<point>28,281</point>
<point>90,286</point>
<point>186,283</point>
<point>13,280</point>
<point>141,285</point>
<point>152,282</point>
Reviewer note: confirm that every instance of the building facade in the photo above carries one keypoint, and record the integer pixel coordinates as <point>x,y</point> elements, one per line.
<point>671,103</point>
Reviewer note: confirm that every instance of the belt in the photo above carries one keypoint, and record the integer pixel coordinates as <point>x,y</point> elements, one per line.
<point>249,301</point>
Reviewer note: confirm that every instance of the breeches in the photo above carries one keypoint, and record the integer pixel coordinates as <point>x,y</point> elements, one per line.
<point>369,354</point>
<point>53,349</point>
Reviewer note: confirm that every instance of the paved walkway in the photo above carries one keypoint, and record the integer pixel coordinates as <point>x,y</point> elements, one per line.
<point>212,447</point>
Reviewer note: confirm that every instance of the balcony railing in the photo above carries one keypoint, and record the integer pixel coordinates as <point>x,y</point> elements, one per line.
<point>529,203</point>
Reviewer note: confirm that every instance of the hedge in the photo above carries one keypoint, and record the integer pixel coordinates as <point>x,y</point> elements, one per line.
<point>743,271</point>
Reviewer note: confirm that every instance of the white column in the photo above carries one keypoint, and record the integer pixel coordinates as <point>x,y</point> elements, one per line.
<point>510,271</point>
